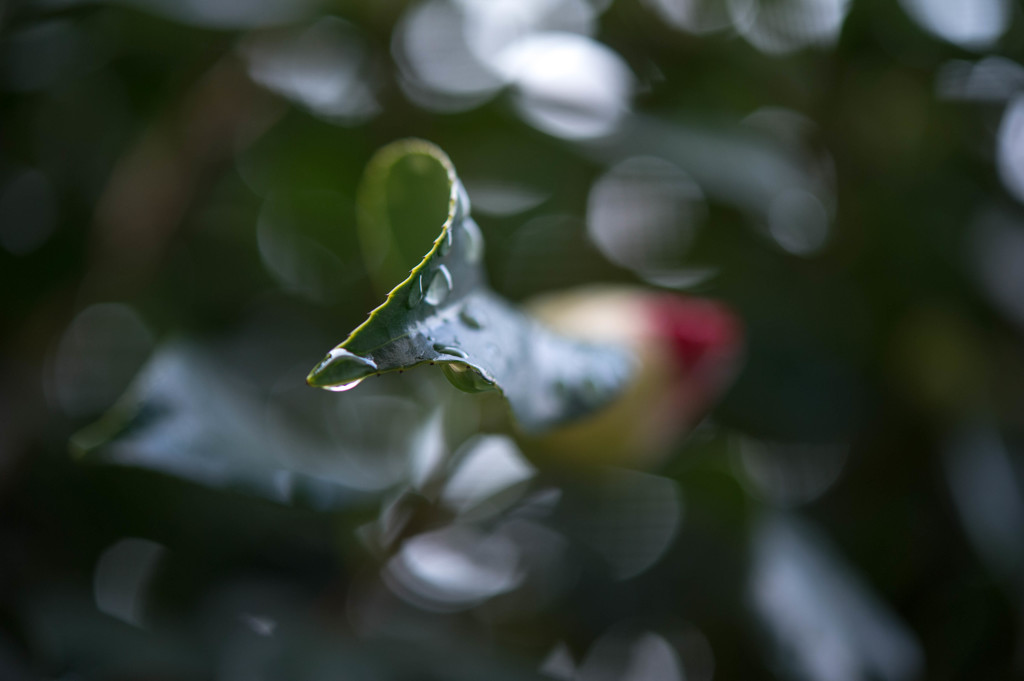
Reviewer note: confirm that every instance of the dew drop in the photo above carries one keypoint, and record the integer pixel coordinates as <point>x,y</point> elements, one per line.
<point>416,292</point>
<point>450,350</point>
<point>342,387</point>
<point>467,378</point>
<point>472,316</point>
<point>341,370</point>
<point>446,241</point>
<point>440,286</point>
<point>474,241</point>
<point>341,354</point>
<point>463,200</point>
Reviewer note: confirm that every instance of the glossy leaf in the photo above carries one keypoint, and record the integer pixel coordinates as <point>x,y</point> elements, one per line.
<point>444,313</point>
<point>188,416</point>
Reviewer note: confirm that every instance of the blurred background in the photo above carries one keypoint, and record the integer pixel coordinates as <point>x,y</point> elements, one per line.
<point>177,225</point>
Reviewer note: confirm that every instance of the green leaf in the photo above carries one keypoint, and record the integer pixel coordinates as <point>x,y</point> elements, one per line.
<point>444,313</point>
<point>187,414</point>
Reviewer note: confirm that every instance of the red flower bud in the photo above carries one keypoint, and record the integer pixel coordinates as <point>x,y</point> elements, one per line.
<point>689,350</point>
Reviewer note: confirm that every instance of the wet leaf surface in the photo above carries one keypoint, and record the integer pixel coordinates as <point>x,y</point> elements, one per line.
<point>444,313</point>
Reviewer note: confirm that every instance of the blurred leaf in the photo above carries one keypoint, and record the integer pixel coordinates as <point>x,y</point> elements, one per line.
<point>630,519</point>
<point>187,416</point>
<point>223,639</point>
<point>444,313</point>
<point>824,620</point>
<point>989,498</point>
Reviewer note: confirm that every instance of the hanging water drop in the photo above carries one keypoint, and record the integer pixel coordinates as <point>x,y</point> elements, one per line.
<point>467,378</point>
<point>341,370</point>
<point>462,205</point>
<point>474,247</point>
<point>416,292</point>
<point>440,286</point>
<point>472,316</point>
<point>450,350</point>
<point>342,387</point>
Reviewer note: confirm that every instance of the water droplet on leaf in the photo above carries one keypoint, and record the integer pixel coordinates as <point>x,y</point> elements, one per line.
<point>467,378</point>
<point>472,316</point>
<point>474,247</point>
<point>462,205</point>
<point>450,350</point>
<point>440,286</point>
<point>341,370</point>
<point>342,387</point>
